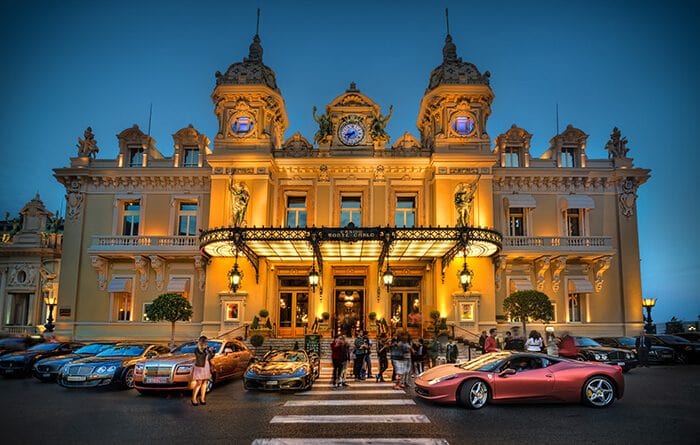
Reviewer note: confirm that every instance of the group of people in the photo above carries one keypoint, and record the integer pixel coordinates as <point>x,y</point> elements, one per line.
<point>406,357</point>
<point>534,343</point>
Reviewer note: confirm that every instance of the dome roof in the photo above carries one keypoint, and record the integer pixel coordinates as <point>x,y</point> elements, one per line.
<point>251,71</point>
<point>454,71</point>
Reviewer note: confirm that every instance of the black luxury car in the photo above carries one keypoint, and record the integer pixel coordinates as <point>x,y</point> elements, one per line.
<point>113,366</point>
<point>20,363</point>
<point>592,351</point>
<point>686,351</point>
<point>14,344</point>
<point>47,369</point>
<point>657,354</point>
<point>693,337</point>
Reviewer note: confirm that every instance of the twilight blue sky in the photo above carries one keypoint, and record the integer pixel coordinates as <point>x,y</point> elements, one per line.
<point>631,64</point>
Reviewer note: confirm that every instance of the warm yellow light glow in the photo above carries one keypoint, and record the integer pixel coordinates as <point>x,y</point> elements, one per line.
<point>50,299</point>
<point>649,302</point>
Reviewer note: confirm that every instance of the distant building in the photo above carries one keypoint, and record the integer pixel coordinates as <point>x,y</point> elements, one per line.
<point>30,255</point>
<point>349,206</point>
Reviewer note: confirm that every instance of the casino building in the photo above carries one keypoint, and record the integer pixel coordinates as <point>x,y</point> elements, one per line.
<point>351,209</point>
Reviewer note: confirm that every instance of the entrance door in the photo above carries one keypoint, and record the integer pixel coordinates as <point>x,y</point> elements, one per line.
<point>349,304</point>
<point>294,313</point>
<point>406,312</point>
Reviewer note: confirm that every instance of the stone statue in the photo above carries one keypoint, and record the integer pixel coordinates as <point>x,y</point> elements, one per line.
<point>464,198</point>
<point>379,124</point>
<point>617,145</point>
<point>87,147</point>
<point>324,126</point>
<point>239,201</point>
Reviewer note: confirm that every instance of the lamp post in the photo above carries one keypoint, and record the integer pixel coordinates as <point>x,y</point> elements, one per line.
<point>234,277</point>
<point>648,304</point>
<point>50,302</point>
<point>388,277</point>
<point>465,275</point>
<point>313,278</point>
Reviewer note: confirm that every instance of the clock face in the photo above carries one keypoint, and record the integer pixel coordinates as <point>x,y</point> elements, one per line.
<point>242,126</point>
<point>464,125</point>
<point>351,133</point>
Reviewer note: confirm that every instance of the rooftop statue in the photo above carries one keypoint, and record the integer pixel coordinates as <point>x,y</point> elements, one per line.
<point>379,124</point>
<point>324,126</point>
<point>464,198</point>
<point>617,145</point>
<point>87,147</point>
<point>239,201</point>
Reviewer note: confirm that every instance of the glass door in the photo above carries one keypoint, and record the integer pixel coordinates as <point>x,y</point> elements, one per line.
<point>349,304</point>
<point>293,307</point>
<point>406,309</point>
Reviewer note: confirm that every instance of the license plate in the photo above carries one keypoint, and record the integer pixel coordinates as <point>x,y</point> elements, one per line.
<point>76,378</point>
<point>156,379</point>
<point>620,363</point>
<point>46,375</point>
<point>272,383</point>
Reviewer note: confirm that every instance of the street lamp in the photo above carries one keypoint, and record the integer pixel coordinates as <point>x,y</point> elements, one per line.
<point>313,278</point>
<point>50,302</point>
<point>234,277</point>
<point>388,277</point>
<point>466,275</point>
<point>648,304</point>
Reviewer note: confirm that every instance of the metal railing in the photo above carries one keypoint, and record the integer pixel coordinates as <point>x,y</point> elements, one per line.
<point>21,330</point>
<point>230,333</point>
<point>470,344</point>
<point>145,241</point>
<point>558,241</point>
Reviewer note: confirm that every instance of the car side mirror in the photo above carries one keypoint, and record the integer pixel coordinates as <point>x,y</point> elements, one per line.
<point>506,372</point>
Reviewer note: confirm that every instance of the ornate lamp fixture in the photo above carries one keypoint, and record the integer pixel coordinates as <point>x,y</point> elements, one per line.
<point>648,304</point>
<point>313,276</point>
<point>235,276</point>
<point>465,275</point>
<point>388,277</point>
<point>50,301</point>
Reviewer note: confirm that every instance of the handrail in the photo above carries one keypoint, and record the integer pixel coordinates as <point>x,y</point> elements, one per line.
<point>243,326</point>
<point>454,326</point>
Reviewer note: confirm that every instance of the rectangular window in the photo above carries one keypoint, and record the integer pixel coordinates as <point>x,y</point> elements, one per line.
<point>405,215</point>
<point>516,221</point>
<point>512,157</point>
<point>296,211</point>
<point>187,219</point>
<point>574,308</point>
<point>130,218</point>
<point>122,306</point>
<point>574,222</point>
<point>191,157</point>
<point>568,157</point>
<point>350,210</point>
<point>135,156</point>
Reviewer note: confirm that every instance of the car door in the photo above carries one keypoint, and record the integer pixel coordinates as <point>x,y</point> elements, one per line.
<point>535,381</point>
<point>232,354</point>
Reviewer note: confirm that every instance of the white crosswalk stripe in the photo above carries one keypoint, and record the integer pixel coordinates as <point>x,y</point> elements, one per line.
<point>351,418</point>
<point>355,441</point>
<point>322,392</point>
<point>362,402</point>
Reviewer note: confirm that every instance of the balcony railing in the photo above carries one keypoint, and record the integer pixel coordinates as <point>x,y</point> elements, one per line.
<point>144,243</point>
<point>558,242</point>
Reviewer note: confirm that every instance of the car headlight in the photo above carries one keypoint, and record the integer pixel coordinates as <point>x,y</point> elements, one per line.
<point>600,357</point>
<point>441,379</point>
<point>300,372</point>
<point>251,373</point>
<point>183,369</point>
<point>101,370</point>
<point>111,368</point>
<point>139,367</point>
<point>630,355</point>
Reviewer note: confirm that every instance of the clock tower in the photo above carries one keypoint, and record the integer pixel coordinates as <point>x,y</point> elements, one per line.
<point>456,106</point>
<point>249,105</point>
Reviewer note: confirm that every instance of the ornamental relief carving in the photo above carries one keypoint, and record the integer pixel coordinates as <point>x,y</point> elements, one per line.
<point>541,267</point>
<point>601,265</point>
<point>23,276</point>
<point>141,267</point>
<point>158,265</point>
<point>554,184</point>
<point>74,199</point>
<point>200,265</point>
<point>558,265</point>
<point>628,196</point>
<point>160,183</point>
<point>101,265</point>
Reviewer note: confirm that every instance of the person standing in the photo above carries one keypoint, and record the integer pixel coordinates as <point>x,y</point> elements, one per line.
<point>643,346</point>
<point>360,351</point>
<point>451,352</point>
<point>401,364</point>
<point>482,341</point>
<point>534,342</point>
<point>568,347</point>
<point>368,354</point>
<point>202,371</point>
<point>345,358</point>
<point>337,358</point>
<point>490,342</point>
<point>434,352</point>
<point>382,351</point>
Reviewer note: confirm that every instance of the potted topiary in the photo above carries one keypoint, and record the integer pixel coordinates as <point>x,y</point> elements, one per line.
<point>262,325</point>
<point>256,341</point>
<point>324,326</point>
<point>372,324</point>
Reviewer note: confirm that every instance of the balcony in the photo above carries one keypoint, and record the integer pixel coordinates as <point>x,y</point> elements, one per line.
<point>127,246</point>
<point>534,246</point>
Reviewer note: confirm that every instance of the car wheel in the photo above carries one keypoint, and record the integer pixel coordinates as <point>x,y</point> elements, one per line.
<point>128,378</point>
<point>474,394</point>
<point>598,392</point>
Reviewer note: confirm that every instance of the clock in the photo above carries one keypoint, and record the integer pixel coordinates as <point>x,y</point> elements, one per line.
<point>464,125</point>
<point>242,126</point>
<point>351,133</point>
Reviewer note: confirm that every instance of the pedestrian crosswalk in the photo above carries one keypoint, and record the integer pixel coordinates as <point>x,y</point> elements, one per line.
<point>325,404</point>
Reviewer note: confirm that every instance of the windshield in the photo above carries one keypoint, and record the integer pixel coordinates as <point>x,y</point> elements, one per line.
<point>673,339</point>
<point>626,341</point>
<point>486,362</point>
<point>93,348</point>
<point>585,341</point>
<point>285,356</point>
<point>188,348</point>
<point>45,347</point>
<point>122,351</point>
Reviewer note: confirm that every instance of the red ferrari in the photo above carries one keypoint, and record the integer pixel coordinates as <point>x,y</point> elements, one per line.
<point>502,377</point>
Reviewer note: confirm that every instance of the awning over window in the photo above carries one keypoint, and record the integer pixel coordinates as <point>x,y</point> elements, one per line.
<point>577,202</point>
<point>517,200</point>
<point>580,285</point>
<point>520,283</point>
<point>178,284</point>
<point>119,285</point>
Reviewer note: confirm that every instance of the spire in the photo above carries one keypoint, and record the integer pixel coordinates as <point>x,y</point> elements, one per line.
<point>449,51</point>
<point>255,51</point>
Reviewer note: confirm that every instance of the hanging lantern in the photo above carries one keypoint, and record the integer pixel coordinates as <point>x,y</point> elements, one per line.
<point>234,277</point>
<point>388,278</point>
<point>313,278</point>
<point>465,277</point>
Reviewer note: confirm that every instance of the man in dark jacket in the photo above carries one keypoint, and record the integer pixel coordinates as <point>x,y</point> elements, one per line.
<point>642,344</point>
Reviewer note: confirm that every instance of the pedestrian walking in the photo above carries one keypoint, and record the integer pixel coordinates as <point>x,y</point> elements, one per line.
<point>490,342</point>
<point>534,342</point>
<point>643,346</point>
<point>402,363</point>
<point>202,371</point>
<point>383,346</point>
<point>345,359</point>
<point>368,354</point>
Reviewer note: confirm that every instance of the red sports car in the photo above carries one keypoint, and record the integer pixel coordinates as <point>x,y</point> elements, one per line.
<point>501,377</point>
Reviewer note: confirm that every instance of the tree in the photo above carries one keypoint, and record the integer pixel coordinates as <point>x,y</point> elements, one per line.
<point>172,308</point>
<point>528,304</point>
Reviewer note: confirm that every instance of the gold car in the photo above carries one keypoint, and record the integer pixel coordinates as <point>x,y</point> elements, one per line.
<point>174,371</point>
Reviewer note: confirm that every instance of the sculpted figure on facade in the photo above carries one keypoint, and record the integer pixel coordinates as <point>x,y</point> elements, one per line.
<point>87,147</point>
<point>628,196</point>
<point>379,122</point>
<point>239,201</point>
<point>325,128</point>
<point>617,145</point>
<point>464,200</point>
